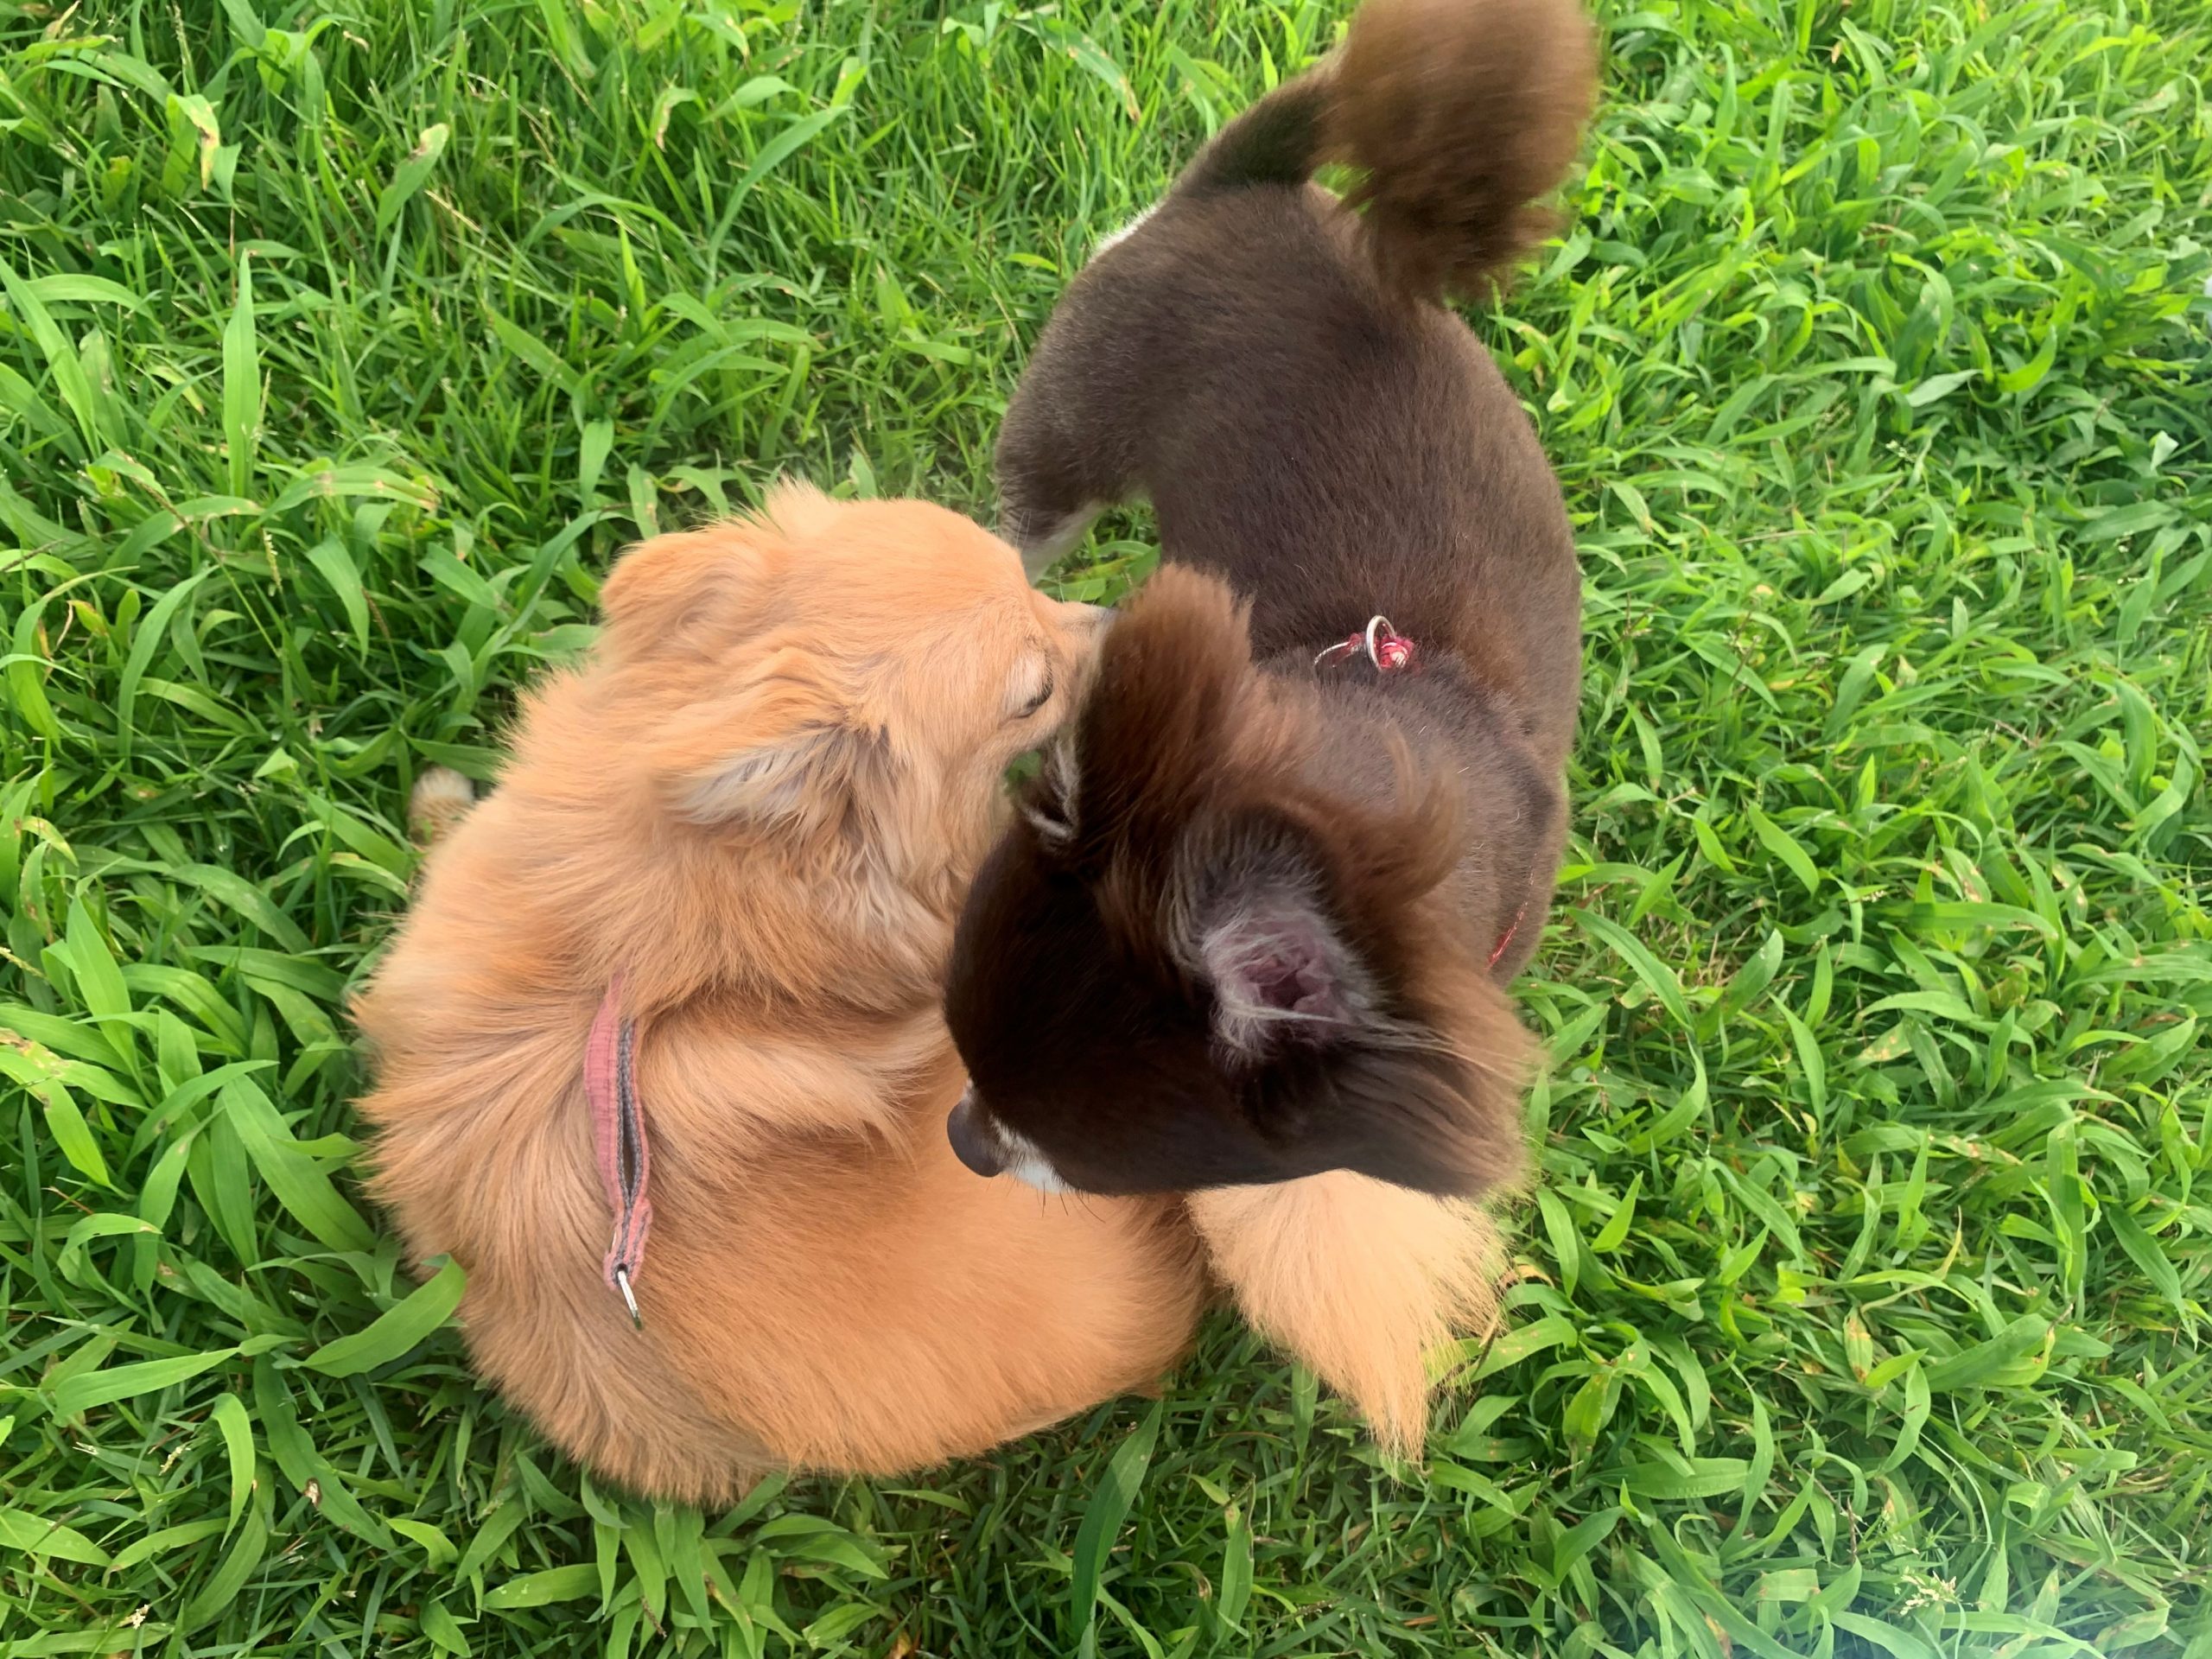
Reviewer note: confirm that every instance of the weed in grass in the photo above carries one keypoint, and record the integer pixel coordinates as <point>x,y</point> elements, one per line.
<point>1860,1309</point>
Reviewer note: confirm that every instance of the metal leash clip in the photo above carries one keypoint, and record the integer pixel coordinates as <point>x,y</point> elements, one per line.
<point>622,1284</point>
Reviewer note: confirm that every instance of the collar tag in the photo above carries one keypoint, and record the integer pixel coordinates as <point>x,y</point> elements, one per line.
<point>1379,643</point>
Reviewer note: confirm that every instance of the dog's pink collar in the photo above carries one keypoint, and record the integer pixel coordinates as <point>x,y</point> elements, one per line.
<point>1381,644</point>
<point>618,1128</point>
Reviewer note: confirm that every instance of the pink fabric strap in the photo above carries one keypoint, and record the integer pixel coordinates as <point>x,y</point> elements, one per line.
<point>618,1131</point>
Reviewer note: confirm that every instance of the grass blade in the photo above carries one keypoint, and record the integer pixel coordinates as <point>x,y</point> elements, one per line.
<point>241,383</point>
<point>147,640</point>
<point>237,1430</point>
<point>69,377</point>
<point>75,1395</point>
<point>1103,1517</point>
<point>396,1331</point>
<point>412,174</point>
<point>33,1535</point>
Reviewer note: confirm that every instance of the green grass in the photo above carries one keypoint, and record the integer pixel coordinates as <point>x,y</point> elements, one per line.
<point>1862,1310</point>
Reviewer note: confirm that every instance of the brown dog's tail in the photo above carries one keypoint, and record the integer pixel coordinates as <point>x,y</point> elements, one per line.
<point>1460,113</point>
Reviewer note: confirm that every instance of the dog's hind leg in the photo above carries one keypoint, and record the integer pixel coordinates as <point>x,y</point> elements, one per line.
<point>1047,494</point>
<point>1063,458</point>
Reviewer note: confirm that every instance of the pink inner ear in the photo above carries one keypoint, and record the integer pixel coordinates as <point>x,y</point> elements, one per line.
<point>1294,983</point>
<point>1275,962</point>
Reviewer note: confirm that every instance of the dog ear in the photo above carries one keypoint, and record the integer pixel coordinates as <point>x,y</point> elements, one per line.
<point>1172,676</point>
<point>802,765</point>
<point>1255,919</point>
<point>692,588</point>
<point>805,780</point>
<point>1282,977</point>
<point>1417,1083</point>
<point>700,587</point>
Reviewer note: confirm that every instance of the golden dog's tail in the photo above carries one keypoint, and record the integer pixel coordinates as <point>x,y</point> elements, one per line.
<point>1362,1281</point>
<point>1460,114</point>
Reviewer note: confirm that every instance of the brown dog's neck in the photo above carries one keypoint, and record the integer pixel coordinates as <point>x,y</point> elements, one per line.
<point>1451,725</point>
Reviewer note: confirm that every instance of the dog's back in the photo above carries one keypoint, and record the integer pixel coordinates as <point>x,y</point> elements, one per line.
<point>1274,374</point>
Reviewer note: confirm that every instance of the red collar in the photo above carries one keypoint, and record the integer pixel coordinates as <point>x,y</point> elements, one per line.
<point>1506,938</point>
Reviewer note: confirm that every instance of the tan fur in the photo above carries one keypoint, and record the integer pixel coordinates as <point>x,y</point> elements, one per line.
<point>760,801</point>
<point>440,799</point>
<point>1360,1280</point>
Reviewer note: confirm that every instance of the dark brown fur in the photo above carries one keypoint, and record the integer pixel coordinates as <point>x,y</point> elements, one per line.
<point>1245,932</point>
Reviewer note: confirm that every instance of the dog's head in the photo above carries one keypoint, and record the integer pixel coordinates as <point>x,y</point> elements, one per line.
<point>848,675</point>
<point>1194,962</point>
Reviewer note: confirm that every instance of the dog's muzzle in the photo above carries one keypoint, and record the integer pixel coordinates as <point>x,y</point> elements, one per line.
<point>974,1141</point>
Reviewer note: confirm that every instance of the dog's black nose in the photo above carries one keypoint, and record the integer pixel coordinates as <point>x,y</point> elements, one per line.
<point>973,1143</point>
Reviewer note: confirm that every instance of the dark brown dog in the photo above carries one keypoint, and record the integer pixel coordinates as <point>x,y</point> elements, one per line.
<point>1259,918</point>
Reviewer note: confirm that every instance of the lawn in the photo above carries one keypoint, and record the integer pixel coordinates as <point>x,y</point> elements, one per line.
<point>1862,1307</point>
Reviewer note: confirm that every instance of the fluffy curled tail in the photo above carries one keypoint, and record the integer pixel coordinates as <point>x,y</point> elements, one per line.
<point>1459,113</point>
<point>1362,1281</point>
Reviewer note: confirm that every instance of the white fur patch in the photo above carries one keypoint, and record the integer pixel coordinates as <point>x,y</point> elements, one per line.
<point>441,796</point>
<point>1053,832</point>
<point>1027,1164</point>
<point>1125,232</point>
<point>1053,818</point>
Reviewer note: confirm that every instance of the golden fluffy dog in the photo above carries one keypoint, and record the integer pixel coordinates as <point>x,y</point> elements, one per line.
<point>756,808</point>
